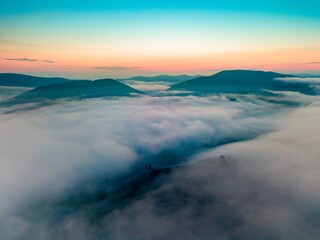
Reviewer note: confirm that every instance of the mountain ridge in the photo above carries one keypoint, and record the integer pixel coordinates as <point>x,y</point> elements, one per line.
<point>81,89</point>
<point>24,80</point>
<point>161,78</point>
<point>242,81</point>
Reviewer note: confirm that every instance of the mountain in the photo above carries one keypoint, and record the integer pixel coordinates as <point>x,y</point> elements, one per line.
<point>242,81</point>
<point>161,78</point>
<point>75,90</point>
<point>21,80</point>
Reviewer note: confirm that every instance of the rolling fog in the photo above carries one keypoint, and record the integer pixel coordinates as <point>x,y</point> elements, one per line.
<point>216,167</point>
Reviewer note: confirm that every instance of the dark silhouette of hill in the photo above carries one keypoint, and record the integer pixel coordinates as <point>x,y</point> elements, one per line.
<point>75,90</point>
<point>21,80</point>
<point>242,81</point>
<point>161,78</point>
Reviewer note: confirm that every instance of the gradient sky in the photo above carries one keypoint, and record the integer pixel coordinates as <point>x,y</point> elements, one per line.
<point>93,39</point>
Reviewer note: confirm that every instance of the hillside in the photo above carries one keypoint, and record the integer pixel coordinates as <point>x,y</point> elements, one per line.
<point>21,80</point>
<point>242,81</point>
<point>76,90</point>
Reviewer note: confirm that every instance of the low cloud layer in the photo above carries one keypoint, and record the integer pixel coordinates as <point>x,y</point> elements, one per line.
<point>110,134</point>
<point>58,164</point>
<point>147,86</point>
<point>311,80</point>
<point>9,92</point>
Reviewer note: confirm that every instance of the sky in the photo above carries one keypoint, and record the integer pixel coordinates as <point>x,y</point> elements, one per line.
<point>98,39</point>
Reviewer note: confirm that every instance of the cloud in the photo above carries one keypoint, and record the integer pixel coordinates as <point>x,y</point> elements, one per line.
<point>114,68</point>
<point>258,189</point>
<point>10,92</point>
<point>102,135</point>
<point>313,63</point>
<point>28,60</point>
<point>22,59</point>
<point>47,61</point>
<point>85,160</point>
<point>312,80</point>
<point>147,86</point>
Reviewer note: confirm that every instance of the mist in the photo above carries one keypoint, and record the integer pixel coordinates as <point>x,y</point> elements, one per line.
<point>9,92</point>
<point>222,167</point>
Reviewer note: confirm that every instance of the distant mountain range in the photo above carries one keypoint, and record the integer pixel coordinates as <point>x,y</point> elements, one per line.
<point>21,80</point>
<point>75,90</point>
<point>161,78</point>
<point>230,81</point>
<point>243,81</point>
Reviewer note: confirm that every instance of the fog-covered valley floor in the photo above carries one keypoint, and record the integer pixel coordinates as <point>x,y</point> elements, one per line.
<point>230,166</point>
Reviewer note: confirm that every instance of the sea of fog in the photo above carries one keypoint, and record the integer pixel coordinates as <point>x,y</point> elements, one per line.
<point>217,167</point>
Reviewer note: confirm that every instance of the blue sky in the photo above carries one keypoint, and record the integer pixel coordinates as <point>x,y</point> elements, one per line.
<point>71,38</point>
<point>306,8</point>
